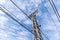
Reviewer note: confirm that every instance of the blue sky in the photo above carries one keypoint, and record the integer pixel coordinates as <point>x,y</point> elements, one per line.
<point>10,30</point>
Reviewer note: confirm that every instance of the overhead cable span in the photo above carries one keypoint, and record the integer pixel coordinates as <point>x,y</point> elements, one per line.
<point>55,9</point>
<point>14,16</point>
<point>14,19</point>
<point>20,9</point>
<point>23,12</point>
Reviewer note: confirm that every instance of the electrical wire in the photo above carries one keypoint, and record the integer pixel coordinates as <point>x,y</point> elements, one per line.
<point>14,19</point>
<point>44,35</point>
<point>52,20</point>
<point>20,9</point>
<point>23,12</point>
<point>55,9</point>
<point>14,15</point>
<point>9,12</point>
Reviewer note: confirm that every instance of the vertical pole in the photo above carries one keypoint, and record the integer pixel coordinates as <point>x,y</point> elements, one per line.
<point>35,28</point>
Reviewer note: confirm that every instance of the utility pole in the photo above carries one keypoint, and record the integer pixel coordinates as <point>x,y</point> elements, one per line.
<point>35,27</point>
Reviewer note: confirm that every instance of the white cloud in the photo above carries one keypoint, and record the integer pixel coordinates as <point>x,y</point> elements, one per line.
<point>28,22</point>
<point>23,35</point>
<point>23,38</point>
<point>57,1</point>
<point>59,11</point>
<point>3,20</point>
<point>20,4</point>
<point>2,1</point>
<point>21,16</point>
<point>51,29</point>
<point>47,4</point>
<point>3,34</point>
<point>36,2</point>
<point>14,27</point>
<point>27,3</point>
<point>54,36</point>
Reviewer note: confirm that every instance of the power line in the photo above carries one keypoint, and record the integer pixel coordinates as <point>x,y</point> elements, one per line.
<point>55,9</point>
<point>13,15</point>
<point>51,19</point>
<point>44,35</point>
<point>14,19</point>
<point>26,14</point>
<point>23,12</point>
<point>20,9</point>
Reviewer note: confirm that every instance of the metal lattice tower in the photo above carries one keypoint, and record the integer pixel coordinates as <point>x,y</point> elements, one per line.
<point>35,28</point>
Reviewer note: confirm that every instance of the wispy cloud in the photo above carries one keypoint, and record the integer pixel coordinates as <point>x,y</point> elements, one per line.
<point>2,1</point>
<point>51,28</point>
<point>3,20</point>
<point>48,26</point>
